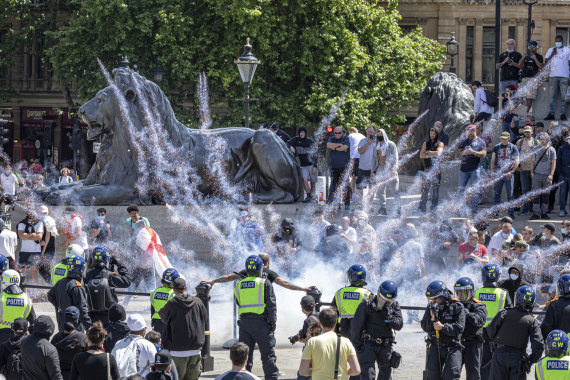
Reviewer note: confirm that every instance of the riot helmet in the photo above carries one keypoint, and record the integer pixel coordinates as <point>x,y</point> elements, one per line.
<point>101,257</point>
<point>10,277</point>
<point>253,266</point>
<point>563,285</point>
<point>490,274</point>
<point>525,297</point>
<point>169,275</point>
<point>437,289</point>
<point>75,266</point>
<point>556,344</point>
<point>74,250</point>
<point>464,289</point>
<point>356,275</point>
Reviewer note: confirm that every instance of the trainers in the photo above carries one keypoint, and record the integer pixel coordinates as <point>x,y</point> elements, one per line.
<point>383,211</point>
<point>308,199</point>
<point>544,216</point>
<point>563,117</point>
<point>534,217</point>
<point>562,213</point>
<point>550,116</point>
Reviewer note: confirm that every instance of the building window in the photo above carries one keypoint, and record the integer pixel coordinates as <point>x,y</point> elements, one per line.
<point>488,55</point>
<point>40,65</point>
<point>469,54</point>
<point>565,33</point>
<point>512,32</point>
<point>3,65</point>
<point>407,29</point>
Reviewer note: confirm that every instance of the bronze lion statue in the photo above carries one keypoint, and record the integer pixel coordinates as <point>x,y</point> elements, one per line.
<point>131,166</point>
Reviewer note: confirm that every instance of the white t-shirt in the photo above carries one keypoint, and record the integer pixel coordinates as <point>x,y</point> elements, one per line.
<point>560,62</point>
<point>81,240</point>
<point>9,183</point>
<point>349,232</point>
<point>355,139</point>
<point>67,179</point>
<point>31,245</point>
<point>8,243</point>
<point>497,243</point>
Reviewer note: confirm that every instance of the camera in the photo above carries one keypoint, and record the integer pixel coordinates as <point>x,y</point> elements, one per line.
<point>509,61</point>
<point>293,339</point>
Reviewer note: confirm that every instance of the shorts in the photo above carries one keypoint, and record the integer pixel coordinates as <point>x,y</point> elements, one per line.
<point>531,92</point>
<point>307,172</point>
<point>363,179</point>
<point>26,258</point>
<point>355,167</point>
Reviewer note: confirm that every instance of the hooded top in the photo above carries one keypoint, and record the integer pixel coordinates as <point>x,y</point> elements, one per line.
<point>185,319</point>
<point>67,346</point>
<point>40,360</point>
<point>511,285</point>
<point>117,328</point>
<point>303,147</point>
<point>389,150</point>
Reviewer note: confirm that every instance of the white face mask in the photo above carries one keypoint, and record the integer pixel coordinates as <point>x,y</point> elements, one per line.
<point>504,235</point>
<point>510,50</point>
<point>558,44</point>
<point>563,230</point>
<point>513,276</point>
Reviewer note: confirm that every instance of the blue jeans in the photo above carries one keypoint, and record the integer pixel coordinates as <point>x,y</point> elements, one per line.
<point>563,191</point>
<point>499,189</point>
<point>463,179</point>
<point>558,84</point>
<point>526,185</point>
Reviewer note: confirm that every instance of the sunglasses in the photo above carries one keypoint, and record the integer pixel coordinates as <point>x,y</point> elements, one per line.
<point>338,133</point>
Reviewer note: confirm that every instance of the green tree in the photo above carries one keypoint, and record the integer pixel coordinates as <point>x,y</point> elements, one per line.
<point>310,52</point>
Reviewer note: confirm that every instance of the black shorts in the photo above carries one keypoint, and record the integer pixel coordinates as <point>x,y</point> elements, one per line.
<point>355,167</point>
<point>363,178</point>
<point>26,258</point>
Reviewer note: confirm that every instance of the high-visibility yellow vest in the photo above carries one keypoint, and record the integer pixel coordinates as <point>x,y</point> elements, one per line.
<point>250,295</point>
<point>14,306</point>
<point>58,272</point>
<point>553,368</point>
<point>159,297</point>
<point>494,300</point>
<point>347,300</point>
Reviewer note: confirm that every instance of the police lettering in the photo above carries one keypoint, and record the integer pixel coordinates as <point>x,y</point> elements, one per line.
<point>247,285</point>
<point>15,302</point>
<point>351,296</point>
<point>557,364</point>
<point>60,271</point>
<point>487,297</point>
<point>161,296</point>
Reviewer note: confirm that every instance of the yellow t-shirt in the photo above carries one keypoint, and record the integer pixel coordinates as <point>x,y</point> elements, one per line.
<point>321,351</point>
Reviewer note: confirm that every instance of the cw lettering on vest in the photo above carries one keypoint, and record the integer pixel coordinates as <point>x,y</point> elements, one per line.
<point>557,364</point>
<point>15,302</point>
<point>59,271</point>
<point>161,296</point>
<point>247,285</point>
<point>487,297</point>
<point>351,296</point>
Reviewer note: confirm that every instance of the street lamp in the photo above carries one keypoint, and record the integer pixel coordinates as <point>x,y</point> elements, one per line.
<point>452,49</point>
<point>158,72</point>
<point>530,21</point>
<point>124,62</point>
<point>246,65</point>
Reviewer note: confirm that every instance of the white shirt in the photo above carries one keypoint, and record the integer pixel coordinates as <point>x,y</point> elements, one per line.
<point>185,354</point>
<point>8,243</point>
<point>81,240</point>
<point>318,231</point>
<point>480,104</point>
<point>145,359</point>
<point>67,179</point>
<point>9,183</point>
<point>559,62</point>
<point>355,139</point>
<point>49,224</point>
<point>496,243</point>
<point>349,232</point>
<point>31,245</point>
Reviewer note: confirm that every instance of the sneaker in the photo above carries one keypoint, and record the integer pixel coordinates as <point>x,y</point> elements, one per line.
<point>383,211</point>
<point>347,207</point>
<point>308,199</point>
<point>534,217</point>
<point>544,216</point>
<point>550,116</point>
<point>563,116</point>
<point>562,213</point>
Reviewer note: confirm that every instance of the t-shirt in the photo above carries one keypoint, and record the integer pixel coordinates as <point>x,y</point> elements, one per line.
<point>560,62</point>
<point>443,137</point>
<point>368,159</point>
<point>321,351</point>
<point>505,156</point>
<point>497,241</point>
<point>545,164</point>
<point>237,375</point>
<point>266,273</point>
<point>103,235</point>
<point>338,159</point>
<point>471,162</point>
<point>530,69</point>
<point>8,243</point>
<point>81,240</point>
<point>509,72</point>
<point>525,148</point>
<point>9,183</point>
<point>67,179</point>
<point>465,250</point>
<point>318,231</point>
<point>31,245</point>
<point>355,139</point>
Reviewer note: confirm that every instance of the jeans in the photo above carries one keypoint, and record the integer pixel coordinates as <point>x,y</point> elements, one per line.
<point>432,183</point>
<point>539,181</point>
<point>499,189</point>
<point>563,190</point>
<point>504,83</point>
<point>336,181</point>
<point>558,84</point>
<point>463,179</point>
<point>394,186</point>
<point>526,184</point>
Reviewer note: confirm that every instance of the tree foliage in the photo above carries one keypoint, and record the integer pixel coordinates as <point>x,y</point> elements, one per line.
<point>310,52</point>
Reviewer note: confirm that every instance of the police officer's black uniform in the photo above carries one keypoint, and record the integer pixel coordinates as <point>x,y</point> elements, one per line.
<point>372,336</point>
<point>100,302</point>
<point>69,291</point>
<point>510,330</point>
<point>472,337</point>
<point>452,315</point>
<point>557,316</point>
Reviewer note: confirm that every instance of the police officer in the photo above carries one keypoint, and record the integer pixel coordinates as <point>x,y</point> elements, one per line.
<point>444,321</point>
<point>475,318</point>
<point>100,283</point>
<point>69,291</point>
<point>558,309</point>
<point>60,270</point>
<point>15,304</point>
<point>347,299</point>
<point>4,264</point>
<point>257,312</point>
<point>511,330</point>
<point>495,299</point>
<point>556,364</point>
<point>160,296</point>
<point>372,332</point>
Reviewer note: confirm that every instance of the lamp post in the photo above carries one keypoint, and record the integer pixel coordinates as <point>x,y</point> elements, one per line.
<point>246,65</point>
<point>530,21</point>
<point>452,48</point>
<point>158,72</point>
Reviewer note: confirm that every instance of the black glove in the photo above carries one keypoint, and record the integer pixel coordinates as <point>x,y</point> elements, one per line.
<point>272,327</point>
<point>524,366</point>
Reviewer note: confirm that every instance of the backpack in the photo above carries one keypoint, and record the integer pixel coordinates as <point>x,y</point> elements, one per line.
<point>492,100</point>
<point>14,365</point>
<point>125,353</point>
<point>99,294</point>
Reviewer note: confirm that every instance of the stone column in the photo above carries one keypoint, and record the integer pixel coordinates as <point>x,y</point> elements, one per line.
<point>478,51</point>
<point>462,38</point>
<point>521,33</point>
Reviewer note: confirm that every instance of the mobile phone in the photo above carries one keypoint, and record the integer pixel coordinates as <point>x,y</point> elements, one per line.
<point>555,123</point>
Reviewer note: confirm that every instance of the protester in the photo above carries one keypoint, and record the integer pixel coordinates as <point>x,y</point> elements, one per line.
<point>481,109</point>
<point>505,234</point>
<point>527,234</point>
<point>514,281</point>
<point>100,228</point>
<point>238,355</point>
<point>558,76</point>
<point>274,127</point>
<point>363,227</point>
<point>287,239</point>
<point>117,328</point>
<point>347,232</point>
<point>339,162</point>
<point>565,231</point>
<point>431,150</point>
<point>508,64</point>
<point>133,354</point>
<point>69,342</point>
<point>387,171</point>
<point>546,238</point>
<point>471,249</point>
<point>367,163</point>
<point>303,147</point>
<point>30,231</point>
<point>95,363</point>
<point>8,244</point>
<point>472,150</point>
<point>318,228</point>
<point>504,162</point>
<point>74,231</point>
<point>40,360</point>
<point>526,146</point>
<point>355,138</point>
<point>10,351</point>
<point>333,245</point>
<point>542,174</point>
<point>563,168</point>
<point>162,367</point>
<point>531,64</point>
<point>8,181</point>
<point>441,135</point>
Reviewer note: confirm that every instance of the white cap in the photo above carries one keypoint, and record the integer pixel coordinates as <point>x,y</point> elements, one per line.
<point>44,209</point>
<point>135,322</point>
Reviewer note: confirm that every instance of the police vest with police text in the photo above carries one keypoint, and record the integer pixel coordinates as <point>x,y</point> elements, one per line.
<point>553,368</point>
<point>494,300</point>
<point>347,300</point>
<point>250,295</point>
<point>14,306</point>
<point>159,298</point>
<point>58,272</point>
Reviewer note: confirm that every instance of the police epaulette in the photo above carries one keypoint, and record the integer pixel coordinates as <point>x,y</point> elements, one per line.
<point>78,283</point>
<point>476,300</point>
<point>552,300</point>
<point>455,299</point>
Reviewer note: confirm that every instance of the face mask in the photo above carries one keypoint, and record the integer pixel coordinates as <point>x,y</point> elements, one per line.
<point>504,235</point>
<point>361,222</point>
<point>380,138</point>
<point>563,230</point>
<point>513,276</point>
<point>543,234</point>
<point>558,44</point>
<point>510,50</point>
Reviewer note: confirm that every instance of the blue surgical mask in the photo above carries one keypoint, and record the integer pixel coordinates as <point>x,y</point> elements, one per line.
<point>504,235</point>
<point>543,234</point>
<point>563,230</point>
<point>558,44</point>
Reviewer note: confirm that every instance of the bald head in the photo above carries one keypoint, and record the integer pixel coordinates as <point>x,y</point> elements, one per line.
<point>438,126</point>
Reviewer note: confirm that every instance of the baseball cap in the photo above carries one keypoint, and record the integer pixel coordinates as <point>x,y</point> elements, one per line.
<point>521,243</point>
<point>72,312</point>
<point>505,135</point>
<point>533,43</point>
<point>162,357</point>
<point>179,284</point>
<point>527,129</point>
<point>549,226</point>
<point>44,209</point>
<point>307,302</point>
<point>135,322</point>
<point>20,325</point>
